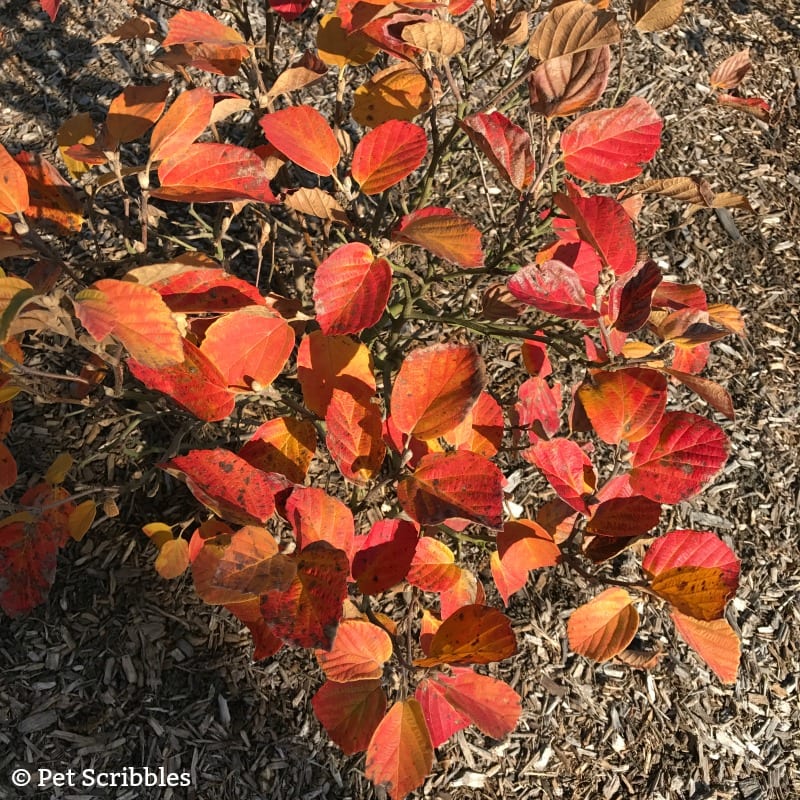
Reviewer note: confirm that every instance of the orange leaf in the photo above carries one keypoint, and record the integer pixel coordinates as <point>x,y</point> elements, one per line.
<point>285,445</point>
<point>481,431</point>
<point>14,197</point>
<point>397,92</point>
<point>435,389</point>
<point>610,146</point>
<point>604,626</point>
<point>317,517</point>
<point>325,363</point>
<point>443,233</point>
<point>359,652</point>
<point>461,485</point>
<point>714,641</point>
<point>195,383</point>
<point>173,558</point>
<point>400,753</point>
<point>134,314</point>
<point>211,172</point>
<point>351,289</point>
<point>350,712</point>
<point>209,44</point>
<point>302,134</point>
<point>133,112</point>
<point>81,519</point>
<point>474,634</point>
<point>522,546</point>
<point>572,27</point>
<point>683,452</point>
<point>387,154</point>
<point>249,346</point>
<point>433,568</point>
<point>715,395</point>
<point>52,199</point>
<point>184,121</point>
<point>353,436</point>
<point>625,404</point>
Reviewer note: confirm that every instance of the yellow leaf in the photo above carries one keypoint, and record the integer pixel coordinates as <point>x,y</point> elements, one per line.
<point>58,469</point>
<point>81,519</point>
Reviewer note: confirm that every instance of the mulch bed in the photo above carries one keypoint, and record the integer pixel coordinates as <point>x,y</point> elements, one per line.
<point>121,668</point>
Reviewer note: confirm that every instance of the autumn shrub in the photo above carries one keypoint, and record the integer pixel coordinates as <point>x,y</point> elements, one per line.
<point>414,250</point>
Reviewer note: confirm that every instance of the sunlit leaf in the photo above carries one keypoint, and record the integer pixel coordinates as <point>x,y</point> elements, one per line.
<point>611,145</point>
<point>572,27</point>
<point>285,445</point>
<point>400,753</point>
<point>554,288</point>
<point>185,120</point>
<point>604,626</point>
<point>481,431</point>
<point>339,47</point>
<point>568,470</point>
<point>53,201</point>
<point>474,634</point>
<point>13,185</point>
<point>655,15</point>
<point>387,154</point>
<point>442,718</point>
<point>730,73</point>
<point>354,436</point>
<point>359,652</point>
<point>397,92</point>
<point>433,568</point>
<point>436,388</point>
<point>461,484</point>
<point>303,135</point>
<point>315,516</point>
<point>173,559</point>
<point>443,233</point>
<point>435,36</point>
<point>682,453</point>
<point>306,71</point>
<point>714,641</point>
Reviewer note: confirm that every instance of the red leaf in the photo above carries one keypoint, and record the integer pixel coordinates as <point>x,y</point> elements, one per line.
<point>443,233</point>
<point>755,106</point>
<point>317,517</point>
<point>249,346</point>
<point>384,556</point>
<point>354,436</point>
<point>400,753</point>
<point>604,626</point>
<point>467,591</point>
<point>625,404</point>
<point>289,10</point>
<point>474,634</point>
<point>522,546</point>
<point>197,290</point>
<point>326,363</point>
<point>185,120</point>
<point>461,484</point>
<point>50,7</point>
<point>350,712</point>
<point>359,652</point>
<point>8,468</point>
<point>481,431</point>
<point>611,145</point>
<point>308,612</point>
<point>435,389</point>
<point>284,445</point>
<point>227,484</point>
<point>52,200</point>
<point>211,173</point>
<point>624,516</point>
<point>554,288</point>
<point>252,565</point>
<point>442,719</point>
<point>433,568</point>
<point>14,196</point>
<point>535,358</point>
<point>134,314</point>
<point>568,470</point>
<point>539,407</point>
<point>683,452</point>
<point>505,144</point>
<point>27,563</point>
<point>303,136</point>
<point>714,641</point>
<point>351,289</point>
<point>387,154</point>
<point>603,223</point>
<point>195,383</point>
<point>635,297</point>
<point>488,703</point>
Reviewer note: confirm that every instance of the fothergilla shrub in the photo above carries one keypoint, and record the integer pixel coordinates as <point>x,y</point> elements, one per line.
<point>373,355</point>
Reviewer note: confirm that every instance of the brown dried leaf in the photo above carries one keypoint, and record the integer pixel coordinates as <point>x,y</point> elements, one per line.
<point>306,71</point>
<point>317,203</point>
<point>655,15</point>
<point>510,29</point>
<point>572,27</point>
<point>437,36</point>
<point>685,189</point>
<point>730,73</point>
<point>134,28</point>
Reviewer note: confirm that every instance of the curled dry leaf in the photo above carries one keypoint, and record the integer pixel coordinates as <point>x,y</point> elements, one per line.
<point>572,27</point>
<point>316,202</point>
<point>685,189</point>
<point>437,36</point>
<point>754,106</point>
<point>134,28</point>
<point>566,84</point>
<point>510,29</point>
<point>655,15</point>
<point>306,71</point>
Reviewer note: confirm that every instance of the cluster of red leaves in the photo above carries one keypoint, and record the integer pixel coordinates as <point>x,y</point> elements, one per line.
<point>284,557</point>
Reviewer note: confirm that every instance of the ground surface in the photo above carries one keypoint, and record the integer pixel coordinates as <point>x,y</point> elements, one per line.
<point>121,668</point>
